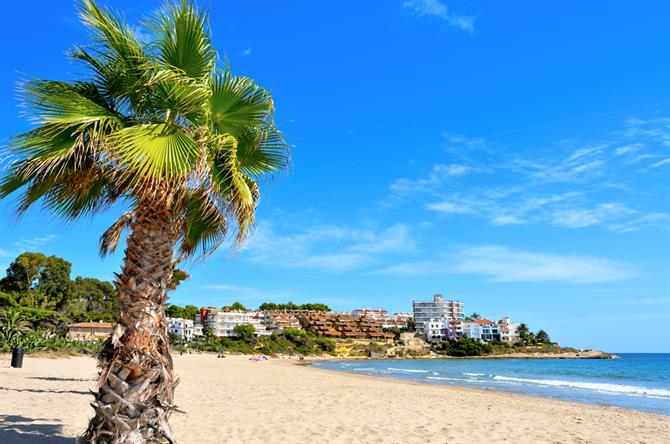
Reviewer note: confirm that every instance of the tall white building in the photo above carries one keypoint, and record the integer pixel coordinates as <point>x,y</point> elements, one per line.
<point>509,331</point>
<point>184,328</point>
<point>437,309</point>
<point>223,323</point>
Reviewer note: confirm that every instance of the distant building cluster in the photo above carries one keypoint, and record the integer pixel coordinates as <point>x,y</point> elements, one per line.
<point>436,320</point>
<point>442,320</point>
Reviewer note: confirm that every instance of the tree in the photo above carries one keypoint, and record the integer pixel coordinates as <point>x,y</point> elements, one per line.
<point>92,299</point>
<point>542,337</point>
<point>245,332</point>
<point>474,316</point>
<point>187,312</point>
<point>178,140</point>
<point>236,306</point>
<point>525,335</point>
<point>272,306</point>
<point>40,281</point>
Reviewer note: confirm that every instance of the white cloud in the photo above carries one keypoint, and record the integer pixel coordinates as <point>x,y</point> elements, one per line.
<point>657,129</point>
<point>504,264</point>
<point>438,9</point>
<point>449,207</point>
<point>661,163</point>
<point>507,219</point>
<point>328,248</point>
<point>570,184</point>
<point>247,51</point>
<point>35,242</point>
<point>579,218</point>
<point>645,221</point>
<point>439,174</point>
<point>510,265</point>
<point>579,166</point>
<point>627,149</point>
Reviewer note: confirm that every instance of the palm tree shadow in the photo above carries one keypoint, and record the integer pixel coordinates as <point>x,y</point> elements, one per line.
<point>20,429</point>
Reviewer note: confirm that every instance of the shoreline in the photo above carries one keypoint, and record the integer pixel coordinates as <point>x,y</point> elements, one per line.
<point>503,391</point>
<point>291,401</point>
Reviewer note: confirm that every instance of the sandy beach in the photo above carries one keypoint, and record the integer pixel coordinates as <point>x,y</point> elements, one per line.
<point>235,400</point>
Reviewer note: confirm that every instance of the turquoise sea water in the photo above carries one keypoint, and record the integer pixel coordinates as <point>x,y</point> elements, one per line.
<point>638,381</point>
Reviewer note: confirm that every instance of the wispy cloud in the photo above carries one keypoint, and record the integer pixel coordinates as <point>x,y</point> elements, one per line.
<point>569,184</point>
<point>247,51</point>
<point>661,163</point>
<point>579,218</point>
<point>327,248</point>
<point>504,264</point>
<point>627,149</point>
<point>34,242</point>
<point>438,9</point>
<point>510,265</point>
<point>437,176</point>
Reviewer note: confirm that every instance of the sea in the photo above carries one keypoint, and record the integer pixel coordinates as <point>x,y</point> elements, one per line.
<point>637,381</point>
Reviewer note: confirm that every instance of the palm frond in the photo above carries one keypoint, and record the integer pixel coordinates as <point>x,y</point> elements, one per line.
<point>237,103</point>
<point>183,40</point>
<point>110,238</point>
<point>262,150</point>
<point>156,151</point>
<point>205,225</point>
<point>54,102</point>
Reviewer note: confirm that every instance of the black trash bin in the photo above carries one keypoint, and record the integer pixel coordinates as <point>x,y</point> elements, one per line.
<point>17,357</point>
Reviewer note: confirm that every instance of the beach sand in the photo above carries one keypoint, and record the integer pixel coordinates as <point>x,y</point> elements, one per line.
<point>235,400</point>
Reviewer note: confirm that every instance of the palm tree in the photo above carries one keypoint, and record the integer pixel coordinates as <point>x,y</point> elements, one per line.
<point>12,327</point>
<point>543,337</point>
<point>181,143</point>
<point>474,316</point>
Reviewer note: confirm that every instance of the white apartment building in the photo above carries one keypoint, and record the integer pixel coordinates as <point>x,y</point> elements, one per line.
<point>482,329</point>
<point>184,328</point>
<point>371,313</point>
<point>437,309</point>
<point>509,331</point>
<point>223,323</point>
<point>436,330</point>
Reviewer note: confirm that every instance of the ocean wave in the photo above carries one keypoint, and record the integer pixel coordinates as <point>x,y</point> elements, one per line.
<point>473,374</point>
<point>594,386</point>
<point>408,370</point>
<point>363,369</point>
<point>441,378</point>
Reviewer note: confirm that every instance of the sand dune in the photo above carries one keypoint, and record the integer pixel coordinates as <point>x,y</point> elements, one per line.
<point>234,400</point>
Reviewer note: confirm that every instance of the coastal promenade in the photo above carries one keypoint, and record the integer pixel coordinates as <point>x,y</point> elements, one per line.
<point>281,401</point>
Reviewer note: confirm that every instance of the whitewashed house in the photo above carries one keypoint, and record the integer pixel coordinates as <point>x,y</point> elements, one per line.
<point>184,328</point>
<point>223,323</point>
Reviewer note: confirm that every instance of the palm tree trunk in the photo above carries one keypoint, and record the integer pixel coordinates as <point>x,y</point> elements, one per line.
<point>136,384</point>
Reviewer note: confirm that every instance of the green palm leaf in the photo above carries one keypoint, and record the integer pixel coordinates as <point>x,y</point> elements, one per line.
<point>159,150</point>
<point>262,150</point>
<point>52,102</point>
<point>205,225</point>
<point>183,41</point>
<point>237,103</point>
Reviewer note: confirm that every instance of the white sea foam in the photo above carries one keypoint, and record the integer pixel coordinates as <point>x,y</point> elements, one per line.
<point>363,369</point>
<point>440,378</point>
<point>473,374</point>
<point>408,370</point>
<point>594,386</point>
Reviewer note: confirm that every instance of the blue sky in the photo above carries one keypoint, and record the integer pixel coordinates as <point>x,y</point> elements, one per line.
<point>514,156</point>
